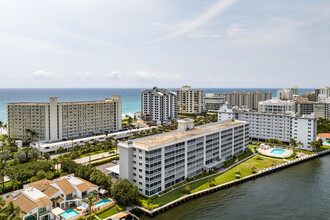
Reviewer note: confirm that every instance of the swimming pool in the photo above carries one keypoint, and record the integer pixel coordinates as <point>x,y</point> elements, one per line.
<point>277,151</point>
<point>103,202</point>
<point>70,213</point>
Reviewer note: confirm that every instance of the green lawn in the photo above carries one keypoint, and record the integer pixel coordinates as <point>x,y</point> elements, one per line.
<point>108,213</point>
<point>245,169</point>
<point>323,148</point>
<point>111,211</point>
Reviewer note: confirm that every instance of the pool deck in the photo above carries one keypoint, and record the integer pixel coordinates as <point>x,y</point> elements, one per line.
<point>267,152</point>
<point>94,209</point>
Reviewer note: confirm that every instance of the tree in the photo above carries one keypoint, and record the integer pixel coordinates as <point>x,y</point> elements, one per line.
<point>12,212</point>
<point>315,145</point>
<point>71,138</point>
<point>46,156</point>
<point>55,161</point>
<point>90,202</point>
<point>60,150</point>
<point>300,144</point>
<point>211,182</point>
<point>253,169</point>
<point>187,189</point>
<point>20,156</point>
<point>31,133</point>
<point>124,192</point>
<point>3,171</point>
<point>293,143</point>
<point>115,144</point>
<point>34,154</point>
<point>15,183</point>
<point>1,124</point>
<point>5,155</point>
<point>323,125</point>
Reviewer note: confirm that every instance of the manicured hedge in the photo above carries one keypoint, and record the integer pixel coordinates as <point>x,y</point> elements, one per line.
<point>98,163</point>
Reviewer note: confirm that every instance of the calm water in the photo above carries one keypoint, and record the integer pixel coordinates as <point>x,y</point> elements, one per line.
<point>130,97</point>
<point>299,192</point>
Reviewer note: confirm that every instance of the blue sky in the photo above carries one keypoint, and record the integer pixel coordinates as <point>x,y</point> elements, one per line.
<point>165,43</point>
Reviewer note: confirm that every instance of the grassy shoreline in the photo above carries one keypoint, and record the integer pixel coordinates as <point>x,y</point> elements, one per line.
<point>245,169</point>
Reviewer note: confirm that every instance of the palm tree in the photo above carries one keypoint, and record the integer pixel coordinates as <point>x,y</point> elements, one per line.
<point>300,144</point>
<point>71,138</point>
<point>315,145</point>
<point>31,133</point>
<point>90,202</point>
<point>293,143</point>
<point>106,134</point>
<point>60,150</point>
<point>13,212</point>
<point>3,171</point>
<point>55,162</point>
<point>1,124</point>
<point>15,183</point>
<point>46,156</point>
<point>116,144</point>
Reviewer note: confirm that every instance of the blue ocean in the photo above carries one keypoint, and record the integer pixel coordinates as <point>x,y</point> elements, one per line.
<point>130,97</point>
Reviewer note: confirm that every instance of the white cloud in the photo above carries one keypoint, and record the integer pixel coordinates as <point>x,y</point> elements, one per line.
<point>150,76</point>
<point>201,35</point>
<point>179,29</point>
<point>91,40</point>
<point>233,30</point>
<point>115,75</point>
<point>45,75</point>
<point>84,76</point>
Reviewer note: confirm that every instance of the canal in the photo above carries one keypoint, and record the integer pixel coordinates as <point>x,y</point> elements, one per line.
<point>298,192</point>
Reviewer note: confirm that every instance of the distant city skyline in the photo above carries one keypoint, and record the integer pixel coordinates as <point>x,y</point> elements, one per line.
<point>125,44</point>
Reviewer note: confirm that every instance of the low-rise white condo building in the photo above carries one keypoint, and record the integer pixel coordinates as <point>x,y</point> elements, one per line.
<point>189,101</point>
<point>158,105</point>
<point>62,120</point>
<point>276,106</point>
<point>264,126</point>
<point>158,162</point>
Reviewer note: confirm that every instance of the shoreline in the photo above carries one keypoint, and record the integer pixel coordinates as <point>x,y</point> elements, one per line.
<point>261,173</point>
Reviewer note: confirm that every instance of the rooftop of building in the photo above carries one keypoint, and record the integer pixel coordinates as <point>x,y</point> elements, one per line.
<point>37,194</point>
<point>157,91</point>
<point>113,98</point>
<point>324,135</point>
<point>277,101</point>
<point>182,134</point>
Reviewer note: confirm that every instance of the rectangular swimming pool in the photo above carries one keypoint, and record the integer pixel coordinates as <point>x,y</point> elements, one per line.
<point>70,213</point>
<point>277,151</point>
<point>101,203</point>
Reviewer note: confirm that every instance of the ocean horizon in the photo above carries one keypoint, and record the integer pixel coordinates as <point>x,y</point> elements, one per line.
<point>131,101</point>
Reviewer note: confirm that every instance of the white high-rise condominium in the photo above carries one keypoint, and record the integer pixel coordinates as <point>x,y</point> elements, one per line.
<point>264,126</point>
<point>190,101</point>
<point>158,104</point>
<point>284,94</point>
<point>62,120</point>
<point>295,90</point>
<point>158,162</point>
<point>243,99</point>
<point>322,93</point>
<point>276,106</point>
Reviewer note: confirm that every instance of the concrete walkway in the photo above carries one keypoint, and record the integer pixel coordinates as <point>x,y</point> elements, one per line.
<point>85,160</point>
